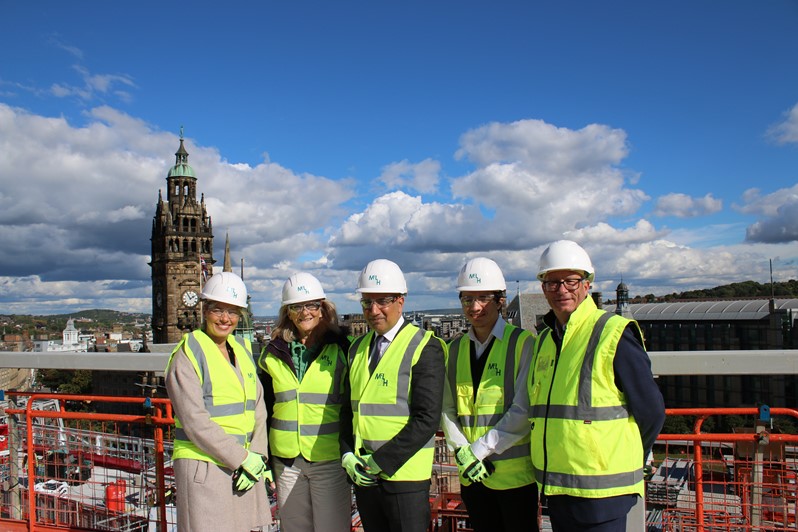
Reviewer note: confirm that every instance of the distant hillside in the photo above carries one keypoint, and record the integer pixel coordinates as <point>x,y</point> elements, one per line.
<point>743,290</point>
<point>55,323</point>
<point>787,289</point>
<point>105,315</point>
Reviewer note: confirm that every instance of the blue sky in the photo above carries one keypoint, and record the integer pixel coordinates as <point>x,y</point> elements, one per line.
<point>663,138</point>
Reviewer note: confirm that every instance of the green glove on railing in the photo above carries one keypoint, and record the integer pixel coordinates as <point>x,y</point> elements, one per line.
<point>470,466</point>
<point>356,469</point>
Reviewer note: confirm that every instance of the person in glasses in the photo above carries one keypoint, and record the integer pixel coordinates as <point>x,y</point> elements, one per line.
<point>485,406</point>
<point>220,442</point>
<point>595,408</point>
<point>396,373</point>
<point>304,379</point>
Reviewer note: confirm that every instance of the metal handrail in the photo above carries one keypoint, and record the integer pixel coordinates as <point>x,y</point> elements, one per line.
<point>719,362</point>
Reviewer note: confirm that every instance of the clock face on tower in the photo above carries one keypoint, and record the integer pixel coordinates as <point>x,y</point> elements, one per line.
<point>190,298</point>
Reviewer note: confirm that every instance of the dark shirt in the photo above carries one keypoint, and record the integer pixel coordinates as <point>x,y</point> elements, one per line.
<point>633,377</point>
<point>478,364</point>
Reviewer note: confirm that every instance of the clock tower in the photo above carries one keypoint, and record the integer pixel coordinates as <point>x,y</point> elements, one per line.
<point>182,253</point>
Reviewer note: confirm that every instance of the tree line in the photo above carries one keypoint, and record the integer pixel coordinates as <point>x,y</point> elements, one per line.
<point>743,290</point>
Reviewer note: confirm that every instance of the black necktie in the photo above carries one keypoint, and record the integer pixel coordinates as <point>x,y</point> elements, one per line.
<point>374,356</point>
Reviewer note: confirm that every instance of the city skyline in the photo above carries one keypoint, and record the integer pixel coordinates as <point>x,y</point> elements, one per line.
<point>664,139</point>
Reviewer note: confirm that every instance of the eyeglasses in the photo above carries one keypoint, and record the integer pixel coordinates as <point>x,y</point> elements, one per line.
<point>381,302</point>
<point>230,313</point>
<point>483,300</point>
<point>311,306</point>
<point>569,284</point>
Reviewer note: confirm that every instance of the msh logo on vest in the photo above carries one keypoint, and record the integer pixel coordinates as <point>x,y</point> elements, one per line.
<point>381,378</point>
<point>494,367</point>
<point>543,364</point>
<point>325,360</point>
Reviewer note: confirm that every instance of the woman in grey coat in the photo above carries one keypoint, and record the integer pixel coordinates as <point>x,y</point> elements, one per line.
<point>220,420</point>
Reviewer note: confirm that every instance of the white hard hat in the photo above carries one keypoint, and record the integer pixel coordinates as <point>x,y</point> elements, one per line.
<point>381,276</point>
<point>300,287</point>
<point>479,274</point>
<point>565,255</point>
<point>226,287</point>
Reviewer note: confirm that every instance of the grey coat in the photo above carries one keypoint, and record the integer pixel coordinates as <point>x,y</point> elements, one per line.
<point>205,497</point>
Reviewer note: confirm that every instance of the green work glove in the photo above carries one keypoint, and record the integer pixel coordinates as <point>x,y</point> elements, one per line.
<point>371,465</point>
<point>356,469</point>
<point>268,476</point>
<point>470,466</point>
<point>242,481</point>
<point>254,465</point>
<point>250,471</point>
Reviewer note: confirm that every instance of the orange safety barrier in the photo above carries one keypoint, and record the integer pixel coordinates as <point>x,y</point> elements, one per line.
<point>449,513</point>
<point>63,469</point>
<point>67,470</point>
<point>743,481</point>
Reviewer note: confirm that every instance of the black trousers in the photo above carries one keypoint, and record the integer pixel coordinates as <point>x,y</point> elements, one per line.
<point>383,511</point>
<point>509,510</point>
<point>576,514</point>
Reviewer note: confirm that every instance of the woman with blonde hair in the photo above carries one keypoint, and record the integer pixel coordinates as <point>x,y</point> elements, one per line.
<point>304,376</point>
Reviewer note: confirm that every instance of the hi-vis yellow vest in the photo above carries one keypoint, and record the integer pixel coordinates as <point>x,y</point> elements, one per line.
<point>380,401</point>
<point>307,414</point>
<point>584,441</point>
<point>493,399</point>
<point>230,406</point>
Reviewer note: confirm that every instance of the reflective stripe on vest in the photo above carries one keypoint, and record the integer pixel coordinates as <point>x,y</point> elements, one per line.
<point>514,465</point>
<point>230,405</point>
<point>306,415</point>
<point>380,401</point>
<point>584,408</point>
<point>242,439</point>
<point>580,448</point>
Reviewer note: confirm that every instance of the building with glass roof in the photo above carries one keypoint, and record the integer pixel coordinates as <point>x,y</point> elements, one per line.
<point>721,325</point>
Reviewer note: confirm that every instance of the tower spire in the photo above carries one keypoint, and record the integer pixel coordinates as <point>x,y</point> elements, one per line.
<point>228,264</point>
<point>622,307</point>
<point>181,155</point>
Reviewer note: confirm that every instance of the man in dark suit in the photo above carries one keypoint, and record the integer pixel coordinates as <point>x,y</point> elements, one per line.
<point>396,373</point>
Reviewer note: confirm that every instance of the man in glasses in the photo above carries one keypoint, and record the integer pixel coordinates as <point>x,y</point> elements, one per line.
<point>485,406</point>
<point>595,408</point>
<point>396,384</point>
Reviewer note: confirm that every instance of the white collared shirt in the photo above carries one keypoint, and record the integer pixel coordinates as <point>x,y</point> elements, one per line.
<point>512,426</point>
<point>497,332</point>
<point>391,334</point>
<point>388,336</point>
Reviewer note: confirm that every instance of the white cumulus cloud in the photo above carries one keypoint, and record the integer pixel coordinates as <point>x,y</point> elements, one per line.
<point>684,206</point>
<point>778,211</point>
<point>76,205</point>
<point>422,177</point>
<point>786,131</point>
